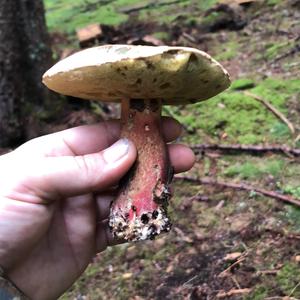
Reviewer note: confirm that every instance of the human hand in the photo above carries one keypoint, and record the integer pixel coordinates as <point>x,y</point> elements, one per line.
<point>55,194</point>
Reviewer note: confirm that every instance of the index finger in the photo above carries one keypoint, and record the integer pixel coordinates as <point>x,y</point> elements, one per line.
<point>88,139</point>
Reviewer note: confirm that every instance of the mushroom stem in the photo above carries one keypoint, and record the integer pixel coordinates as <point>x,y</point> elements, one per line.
<point>140,209</point>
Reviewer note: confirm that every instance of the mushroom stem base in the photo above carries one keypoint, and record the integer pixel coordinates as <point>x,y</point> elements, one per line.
<point>140,210</point>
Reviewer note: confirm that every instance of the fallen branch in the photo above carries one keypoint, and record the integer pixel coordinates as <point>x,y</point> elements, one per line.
<point>271,108</point>
<point>282,149</point>
<point>240,186</point>
<point>189,38</point>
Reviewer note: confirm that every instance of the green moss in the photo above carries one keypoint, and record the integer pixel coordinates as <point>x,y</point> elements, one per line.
<point>273,50</point>
<point>206,4</point>
<point>247,170</point>
<point>162,35</point>
<point>280,130</point>
<point>259,293</point>
<point>242,118</point>
<point>164,14</point>
<point>288,278</point>
<point>273,2</point>
<point>291,215</point>
<point>212,18</point>
<point>295,191</point>
<point>243,84</point>
<point>67,15</point>
<point>254,170</point>
<point>229,50</point>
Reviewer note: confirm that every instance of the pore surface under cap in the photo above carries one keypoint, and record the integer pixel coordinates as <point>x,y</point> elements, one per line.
<point>177,75</point>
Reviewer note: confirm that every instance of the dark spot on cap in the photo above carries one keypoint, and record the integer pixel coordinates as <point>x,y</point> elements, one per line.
<point>149,65</point>
<point>193,58</point>
<point>154,79</point>
<point>192,62</point>
<point>173,51</point>
<point>144,219</point>
<point>119,70</point>
<point>205,81</point>
<point>139,81</point>
<point>218,86</point>
<point>170,54</point>
<point>165,85</point>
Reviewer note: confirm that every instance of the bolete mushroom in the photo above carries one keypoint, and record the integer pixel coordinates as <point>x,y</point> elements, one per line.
<point>142,78</point>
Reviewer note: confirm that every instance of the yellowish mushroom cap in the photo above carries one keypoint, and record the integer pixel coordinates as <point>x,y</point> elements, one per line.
<point>176,75</point>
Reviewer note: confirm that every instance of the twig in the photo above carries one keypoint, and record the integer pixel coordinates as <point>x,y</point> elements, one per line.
<point>288,235</point>
<point>282,149</point>
<point>223,294</point>
<point>187,203</point>
<point>233,278</point>
<point>190,280</point>
<point>268,272</point>
<point>241,259</point>
<point>189,38</point>
<point>240,186</point>
<point>293,236</point>
<point>292,51</point>
<point>271,108</point>
<point>294,289</point>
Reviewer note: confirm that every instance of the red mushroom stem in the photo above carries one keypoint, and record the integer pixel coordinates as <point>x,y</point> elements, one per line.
<point>140,210</point>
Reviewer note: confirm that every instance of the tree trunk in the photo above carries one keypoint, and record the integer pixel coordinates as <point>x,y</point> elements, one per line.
<point>24,56</point>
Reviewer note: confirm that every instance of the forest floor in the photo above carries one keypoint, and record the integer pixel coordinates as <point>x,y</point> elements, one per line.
<point>225,243</point>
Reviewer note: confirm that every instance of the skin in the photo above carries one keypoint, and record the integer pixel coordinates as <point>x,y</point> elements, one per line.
<point>55,193</point>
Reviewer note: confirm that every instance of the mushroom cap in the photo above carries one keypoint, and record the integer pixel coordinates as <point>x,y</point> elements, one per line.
<point>176,75</point>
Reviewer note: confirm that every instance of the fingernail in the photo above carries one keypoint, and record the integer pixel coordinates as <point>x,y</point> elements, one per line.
<point>116,151</point>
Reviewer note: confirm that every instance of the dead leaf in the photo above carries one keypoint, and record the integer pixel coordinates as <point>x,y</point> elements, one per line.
<point>127,275</point>
<point>232,256</point>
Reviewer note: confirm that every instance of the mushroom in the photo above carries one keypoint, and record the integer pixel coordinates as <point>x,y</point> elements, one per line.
<point>142,78</point>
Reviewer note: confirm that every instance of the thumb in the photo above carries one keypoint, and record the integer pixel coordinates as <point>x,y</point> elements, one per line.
<point>67,176</point>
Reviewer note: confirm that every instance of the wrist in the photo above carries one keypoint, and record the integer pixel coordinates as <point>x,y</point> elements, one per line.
<point>8,290</point>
